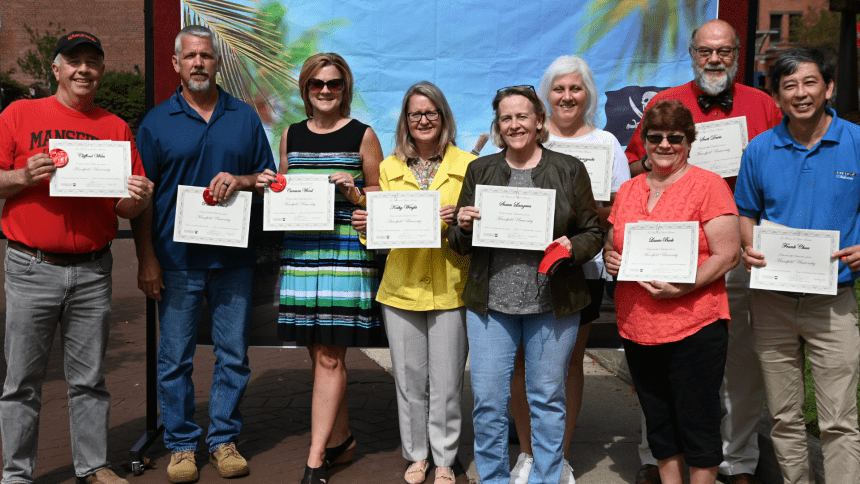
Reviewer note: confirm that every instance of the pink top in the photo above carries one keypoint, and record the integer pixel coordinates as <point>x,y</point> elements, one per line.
<point>699,195</point>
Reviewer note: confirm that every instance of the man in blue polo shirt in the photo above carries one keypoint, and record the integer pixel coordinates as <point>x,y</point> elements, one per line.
<point>202,137</point>
<point>805,174</point>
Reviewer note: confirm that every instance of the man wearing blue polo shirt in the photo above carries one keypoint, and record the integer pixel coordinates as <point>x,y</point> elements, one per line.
<point>202,137</point>
<point>805,174</point>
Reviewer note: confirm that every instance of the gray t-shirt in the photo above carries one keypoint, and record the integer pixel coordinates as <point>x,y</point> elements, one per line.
<point>513,286</point>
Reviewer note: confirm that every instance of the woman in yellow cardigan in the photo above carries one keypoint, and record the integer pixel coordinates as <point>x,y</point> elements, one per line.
<point>420,292</point>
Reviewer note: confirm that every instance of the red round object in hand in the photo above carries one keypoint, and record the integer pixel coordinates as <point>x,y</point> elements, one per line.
<point>279,184</point>
<point>59,157</point>
<point>207,197</point>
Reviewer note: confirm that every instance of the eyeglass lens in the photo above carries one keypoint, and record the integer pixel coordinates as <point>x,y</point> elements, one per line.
<point>656,139</point>
<point>430,115</point>
<point>334,85</point>
<point>723,53</point>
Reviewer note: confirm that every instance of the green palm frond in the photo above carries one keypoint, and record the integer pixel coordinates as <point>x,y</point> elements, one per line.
<point>662,21</point>
<point>252,50</point>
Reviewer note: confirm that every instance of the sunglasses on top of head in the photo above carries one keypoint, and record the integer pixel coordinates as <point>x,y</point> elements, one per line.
<point>317,85</point>
<point>656,139</point>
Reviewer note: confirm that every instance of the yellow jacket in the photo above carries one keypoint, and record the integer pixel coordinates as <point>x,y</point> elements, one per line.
<point>425,279</point>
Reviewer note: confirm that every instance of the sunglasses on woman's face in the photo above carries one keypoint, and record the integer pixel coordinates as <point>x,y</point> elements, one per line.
<point>317,85</point>
<point>656,139</point>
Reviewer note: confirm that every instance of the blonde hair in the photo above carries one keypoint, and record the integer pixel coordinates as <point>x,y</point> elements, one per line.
<point>405,147</point>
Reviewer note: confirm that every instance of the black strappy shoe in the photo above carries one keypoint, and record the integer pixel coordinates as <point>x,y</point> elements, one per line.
<point>341,454</point>
<point>315,475</point>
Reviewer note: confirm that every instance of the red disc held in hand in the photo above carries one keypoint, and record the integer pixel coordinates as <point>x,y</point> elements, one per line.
<point>208,198</point>
<point>59,157</point>
<point>279,184</point>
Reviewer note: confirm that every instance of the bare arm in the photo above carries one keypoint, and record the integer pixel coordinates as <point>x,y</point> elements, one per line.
<point>611,258</point>
<point>149,274</point>
<point>140,188</point>
<point>751,257</point>
<point>39,167</point>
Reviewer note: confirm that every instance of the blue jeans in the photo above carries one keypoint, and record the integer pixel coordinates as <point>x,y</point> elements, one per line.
<point>493,342</point>
<point>228,292</point>
<point>39,297</point>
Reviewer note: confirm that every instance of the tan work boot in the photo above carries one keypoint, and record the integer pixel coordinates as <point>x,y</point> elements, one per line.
<point>102,476</point>
<point>183,467</point>
<point>229,462</point>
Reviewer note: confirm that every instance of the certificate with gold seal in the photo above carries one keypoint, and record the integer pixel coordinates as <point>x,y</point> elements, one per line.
<point>90,168</point>
<point>513,217</point>
<point>401,220</point>
<point>660,251</point>
<point>306,203</point>
<point>798,260</point>
<point>225,223</point>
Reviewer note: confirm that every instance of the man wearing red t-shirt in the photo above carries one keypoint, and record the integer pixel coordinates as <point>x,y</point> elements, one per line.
<point>58,263</point>
<point>714,95</point>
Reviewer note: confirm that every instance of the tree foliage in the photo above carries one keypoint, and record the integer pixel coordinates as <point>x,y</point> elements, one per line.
<point>37,63</point>
<point>123,94</point>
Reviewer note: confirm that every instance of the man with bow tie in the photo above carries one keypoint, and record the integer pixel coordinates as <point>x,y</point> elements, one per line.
<point>711,96</point>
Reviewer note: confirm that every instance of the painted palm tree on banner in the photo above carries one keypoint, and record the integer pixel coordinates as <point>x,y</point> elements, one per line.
<point>660,21</point>
<point>258,65</point>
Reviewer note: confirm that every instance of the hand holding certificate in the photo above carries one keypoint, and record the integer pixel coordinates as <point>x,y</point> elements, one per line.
<point>514,218</point>
<point>90,168</point>
<point>719,145</point>
<point>399,220</point>
<point>660,251</point>
<point>797,260</point>
<point>225,223</point>
<point>305,203</point>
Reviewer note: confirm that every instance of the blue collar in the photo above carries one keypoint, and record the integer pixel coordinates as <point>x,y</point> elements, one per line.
<point>783,138</point>
<point>226,102</point>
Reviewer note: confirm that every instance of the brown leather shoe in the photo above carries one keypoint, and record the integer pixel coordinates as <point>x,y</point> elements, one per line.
<point>648,474</point>
<point>743,479</point>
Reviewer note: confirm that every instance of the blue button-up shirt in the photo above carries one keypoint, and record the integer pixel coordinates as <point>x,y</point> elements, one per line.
<point>179,148</point>
<point>805,188</point>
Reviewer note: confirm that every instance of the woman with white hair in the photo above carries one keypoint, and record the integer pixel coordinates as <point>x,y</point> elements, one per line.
<point>568,90</point>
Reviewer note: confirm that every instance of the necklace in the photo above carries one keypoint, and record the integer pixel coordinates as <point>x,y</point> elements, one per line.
<point>657,193</point>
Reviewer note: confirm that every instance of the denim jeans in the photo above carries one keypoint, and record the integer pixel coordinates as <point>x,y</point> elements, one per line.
<point>228,292</point>
<point>40,296</point>
<point>493,343</point>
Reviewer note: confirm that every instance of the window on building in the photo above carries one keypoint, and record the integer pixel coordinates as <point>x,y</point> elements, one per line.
<point>776,28</point>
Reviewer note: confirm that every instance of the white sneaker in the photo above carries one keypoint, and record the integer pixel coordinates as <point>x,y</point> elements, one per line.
<point>567,474</point>
<point>521,471</point>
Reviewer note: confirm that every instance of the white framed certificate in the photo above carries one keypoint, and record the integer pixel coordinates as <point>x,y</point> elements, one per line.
<point>306,203</point>
<point>660,251</point>
<point>401,220</point>
<point>597,158</point>
<point>94,168</point>
<point>513,217</point>
<point>798,260</point>
<point>225,223</point>
<point>719,145</point>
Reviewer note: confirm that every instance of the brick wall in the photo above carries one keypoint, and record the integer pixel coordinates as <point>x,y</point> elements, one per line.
<point>117,23</point>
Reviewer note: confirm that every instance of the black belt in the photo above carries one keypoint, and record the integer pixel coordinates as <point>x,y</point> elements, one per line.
<point>58,258</point>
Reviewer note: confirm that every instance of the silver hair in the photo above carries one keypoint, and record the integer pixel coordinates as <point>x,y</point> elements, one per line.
<point>197,31</point>
<point>564,65</point>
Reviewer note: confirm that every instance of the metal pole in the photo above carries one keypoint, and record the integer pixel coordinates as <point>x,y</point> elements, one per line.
<point>749,61</point>
<point>846,71</point>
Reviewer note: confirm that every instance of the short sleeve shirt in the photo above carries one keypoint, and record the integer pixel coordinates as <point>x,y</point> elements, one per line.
<point>179,148</point>
<point>698,196</point>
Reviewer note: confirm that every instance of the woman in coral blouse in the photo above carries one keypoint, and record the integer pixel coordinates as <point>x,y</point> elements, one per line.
<point>676,335</point>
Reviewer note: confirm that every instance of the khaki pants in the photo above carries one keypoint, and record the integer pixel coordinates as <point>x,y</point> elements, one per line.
<point>828,326</point>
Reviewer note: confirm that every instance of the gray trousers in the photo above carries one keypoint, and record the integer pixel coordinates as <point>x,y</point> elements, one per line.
<point>428,348</point>
<point>39,297</point>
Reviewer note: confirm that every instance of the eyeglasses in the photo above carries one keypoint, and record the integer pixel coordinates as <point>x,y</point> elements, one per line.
<point>416,117</point>
<point>317,85</point>
<point>523,86</point>
<point>723,52</point>
<point>656,139</point>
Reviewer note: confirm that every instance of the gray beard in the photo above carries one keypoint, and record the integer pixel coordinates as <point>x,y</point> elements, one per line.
<point>198,86</point>
<point>714,87</point>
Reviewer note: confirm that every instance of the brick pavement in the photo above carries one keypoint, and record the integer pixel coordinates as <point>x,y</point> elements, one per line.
<point>276,406</point>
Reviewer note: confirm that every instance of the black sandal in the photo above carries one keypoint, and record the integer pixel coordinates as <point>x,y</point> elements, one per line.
<point>315,475</point>
<point>341,454</point>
